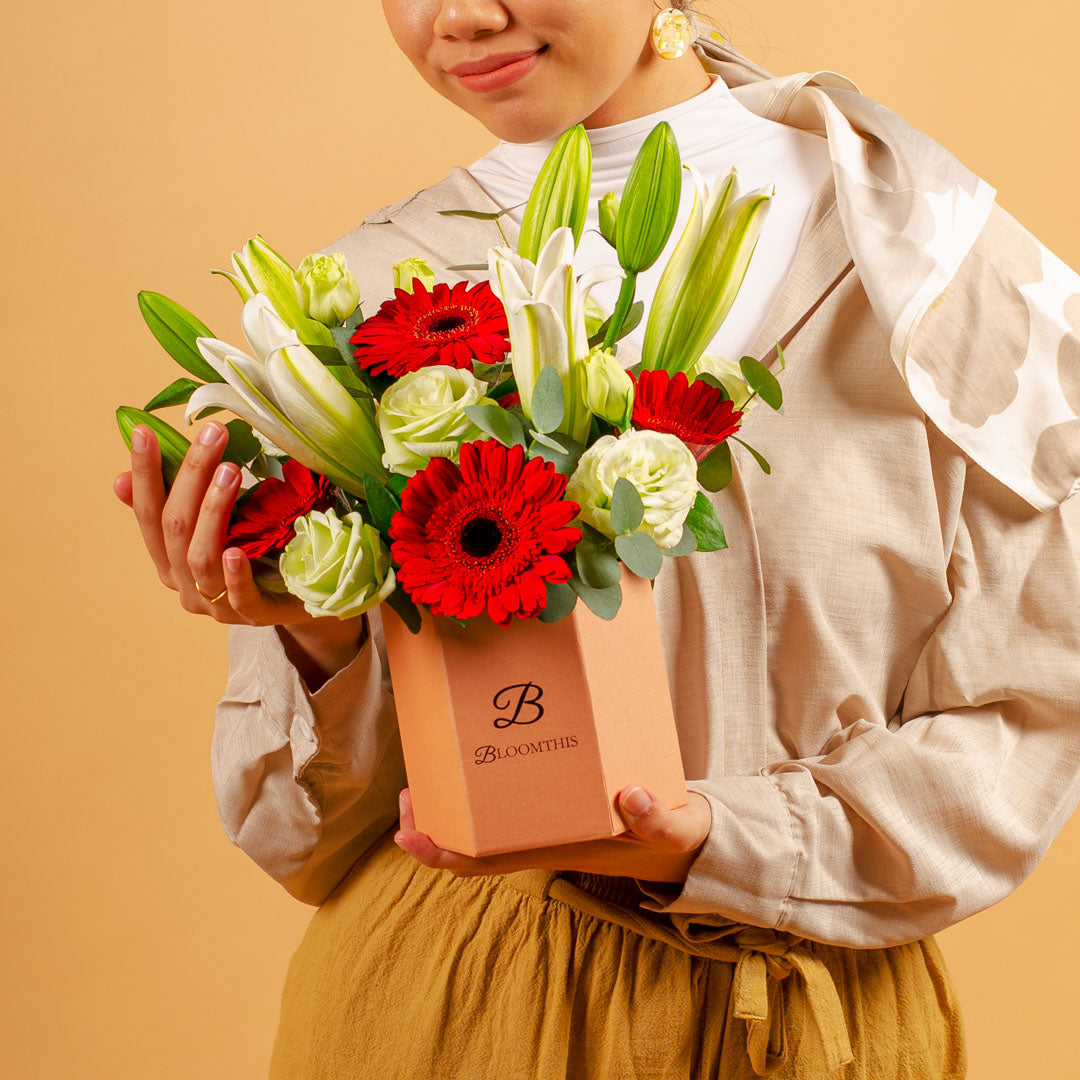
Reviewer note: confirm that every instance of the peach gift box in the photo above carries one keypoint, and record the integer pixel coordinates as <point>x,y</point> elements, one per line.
<point>522,736</point>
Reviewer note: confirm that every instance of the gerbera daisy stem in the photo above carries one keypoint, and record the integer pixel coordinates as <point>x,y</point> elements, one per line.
<point>622,308</point>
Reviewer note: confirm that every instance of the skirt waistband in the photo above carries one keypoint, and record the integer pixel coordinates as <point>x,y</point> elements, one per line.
<point>758,953</point>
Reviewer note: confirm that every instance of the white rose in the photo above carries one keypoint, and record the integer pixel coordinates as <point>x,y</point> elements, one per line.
<point>422,416</point>
<point>658,464</point>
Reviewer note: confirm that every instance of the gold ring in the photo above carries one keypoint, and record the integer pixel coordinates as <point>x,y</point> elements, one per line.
<point>212,599</point>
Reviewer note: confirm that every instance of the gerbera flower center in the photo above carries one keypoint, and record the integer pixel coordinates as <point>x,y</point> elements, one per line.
<point>445,322</point>
<point>481,537</point>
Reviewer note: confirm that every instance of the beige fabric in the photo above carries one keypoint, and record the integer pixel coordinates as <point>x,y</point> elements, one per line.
<point>877,686</point>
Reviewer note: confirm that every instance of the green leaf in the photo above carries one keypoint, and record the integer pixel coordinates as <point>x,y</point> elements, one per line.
<point>565,462</point>
<point>382,503</point>
<point>480,215</point>
<point>633,317</point>
<point>711,380</point>
<point>596,563</point>
<point>686,545</point>
<point>176,330</point>
<point>497,422</point>
<point>171,443</point>
<point>758,377</point>
<point>409,612</point>
<point>714,470</point>
<point>602,602</point>
<point>780,356</point>
<point>757,457</point>
<point>242,445</point>
<point>548,403</point>
<point>397,483</point>
<point>640,553</point>
<point>341,335</point>
<point>176,393</point>
<point>265,466</point>
<point>627,509</point>
<point>561,600</point>
<point>548,441</point>
<point>705,525</point>
<point>202,414</point>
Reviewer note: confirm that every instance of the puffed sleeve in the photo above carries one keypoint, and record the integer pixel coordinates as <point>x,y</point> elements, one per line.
<point>305,782</point>
<point>895,832</point>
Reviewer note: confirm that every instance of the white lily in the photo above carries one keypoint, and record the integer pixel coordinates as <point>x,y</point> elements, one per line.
<point>288,395</point>
<point>545,310</point>
<point>705,271</point>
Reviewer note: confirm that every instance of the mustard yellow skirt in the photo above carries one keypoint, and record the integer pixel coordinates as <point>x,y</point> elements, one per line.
<point>409,973</point>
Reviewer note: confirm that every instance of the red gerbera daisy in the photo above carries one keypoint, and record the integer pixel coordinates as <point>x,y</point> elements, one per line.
<point>484,536</point>
<point>450,326</point>
<point>700,414</point>
<point>265,522</point>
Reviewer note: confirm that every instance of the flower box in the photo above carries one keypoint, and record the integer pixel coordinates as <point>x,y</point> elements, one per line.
<point>522,737</point>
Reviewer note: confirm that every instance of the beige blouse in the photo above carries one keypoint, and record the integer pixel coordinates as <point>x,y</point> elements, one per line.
<point>876,686</point>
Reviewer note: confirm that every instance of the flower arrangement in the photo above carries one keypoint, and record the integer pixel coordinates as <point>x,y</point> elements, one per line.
<point>481,448</point>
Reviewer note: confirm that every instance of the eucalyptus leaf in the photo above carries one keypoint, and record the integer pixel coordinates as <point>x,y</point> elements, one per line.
<point>687,545</point>
<point>627,509</point>
<point>406,609</point>
<point>497,422</point>
<point>705,525</point>
<point>714,470</point>
<point>640,553</point>
<point>548,441</point>
<point>266,466</point>
<point>561,600</point>
<point>382,503</point>
<point>759,378</point>
<point>601,602</point>
<point>565,462</point>
<point>242,445</point>
<point>711,380</point>
<point>548,402</point>
<point>176,393</point>
<point>765,467</point>
<point>596,564</point>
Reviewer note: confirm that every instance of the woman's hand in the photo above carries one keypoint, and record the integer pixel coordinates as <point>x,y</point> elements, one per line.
<point>185,535</point>
<point>660,846</point>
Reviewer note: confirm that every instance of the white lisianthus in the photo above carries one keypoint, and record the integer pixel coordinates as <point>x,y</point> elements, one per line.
<point>337,566</point>
<point>609,391</point>
<point>728,374</point>
<point>658,464</point>
<point>327,288</point>
<point>422,416</point>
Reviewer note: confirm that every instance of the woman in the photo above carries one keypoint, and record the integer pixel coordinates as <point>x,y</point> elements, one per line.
<point>873,685</point>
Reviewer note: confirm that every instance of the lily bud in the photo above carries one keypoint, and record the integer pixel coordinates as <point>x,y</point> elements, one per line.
<point>609,391</point>
<point>560,195</point>
<point>705,272</point>
<point>407,269</point>
<point>609,216</point>
<point>649,201</point>
<point>328,290</point>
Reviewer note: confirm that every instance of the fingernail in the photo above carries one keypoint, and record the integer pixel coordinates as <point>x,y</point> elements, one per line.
<point>223,477</point>
<point>232,560</point>
<point>139,441</point>
<point>637,801</point>
<point>210,434</point>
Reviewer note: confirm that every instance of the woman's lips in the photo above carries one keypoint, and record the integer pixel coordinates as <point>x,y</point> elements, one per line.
<point>501,76</point>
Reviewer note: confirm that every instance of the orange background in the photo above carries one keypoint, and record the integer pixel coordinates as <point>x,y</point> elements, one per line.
<point>141,144</point>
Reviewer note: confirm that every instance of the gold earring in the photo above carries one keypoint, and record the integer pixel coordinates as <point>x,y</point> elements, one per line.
<point>671,33</point>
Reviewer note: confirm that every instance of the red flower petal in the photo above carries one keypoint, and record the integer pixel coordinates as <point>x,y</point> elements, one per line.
<point>697,412</point>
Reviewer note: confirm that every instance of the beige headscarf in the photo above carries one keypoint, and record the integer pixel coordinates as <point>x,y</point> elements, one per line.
<point>983,321</point>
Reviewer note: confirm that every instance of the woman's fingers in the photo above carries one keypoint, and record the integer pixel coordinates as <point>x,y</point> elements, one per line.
<point>211,528</point>
<point>121,486</point>
<point>181,509</point>
<point>148,498</point>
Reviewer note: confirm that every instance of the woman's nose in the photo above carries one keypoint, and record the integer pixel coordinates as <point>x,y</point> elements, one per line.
<point>467,19</point>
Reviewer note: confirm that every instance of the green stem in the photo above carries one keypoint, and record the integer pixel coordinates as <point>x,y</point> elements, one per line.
<point>622,308</point>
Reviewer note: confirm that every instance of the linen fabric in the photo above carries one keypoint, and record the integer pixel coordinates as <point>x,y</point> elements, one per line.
<point>875,686</point>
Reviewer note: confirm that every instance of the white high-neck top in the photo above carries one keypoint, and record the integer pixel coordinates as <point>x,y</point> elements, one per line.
<point>714,132</point>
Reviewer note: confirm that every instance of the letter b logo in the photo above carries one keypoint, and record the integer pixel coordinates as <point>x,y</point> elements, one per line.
<point>518,697</point>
